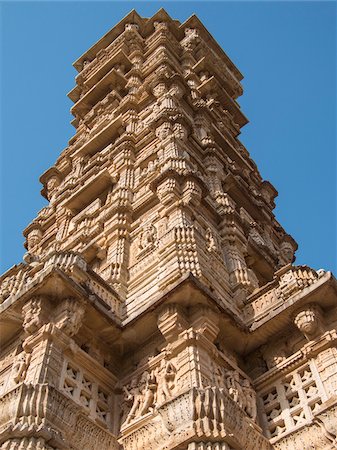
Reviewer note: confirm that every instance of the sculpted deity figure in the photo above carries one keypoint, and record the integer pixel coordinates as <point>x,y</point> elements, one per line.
<point>210,241</point>
<point>51,186</point>
<point>249,399</point>
<point>165,376</point>
<point>148,237</point>
<point>149,392</point>
<point>133,394</point>
<point>142,394</point>
<point>234,386</point>
<point>20,367</point>
<point>33,238</point>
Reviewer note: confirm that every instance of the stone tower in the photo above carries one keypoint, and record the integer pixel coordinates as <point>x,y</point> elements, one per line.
<point>158,306</point>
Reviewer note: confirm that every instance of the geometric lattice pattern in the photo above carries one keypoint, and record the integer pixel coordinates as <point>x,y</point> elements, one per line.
<point>95,401</point>
<point>292,401</point>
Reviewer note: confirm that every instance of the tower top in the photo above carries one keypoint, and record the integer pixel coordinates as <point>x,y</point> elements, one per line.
<point>146,26</point>
<point>156,168</point>
<point>158,306</point>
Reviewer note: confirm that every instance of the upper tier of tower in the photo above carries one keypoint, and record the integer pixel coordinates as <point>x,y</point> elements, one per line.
<point>155,178</point>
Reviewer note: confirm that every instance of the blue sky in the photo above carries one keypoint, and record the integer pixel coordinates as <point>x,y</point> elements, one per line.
<point>286,51</point>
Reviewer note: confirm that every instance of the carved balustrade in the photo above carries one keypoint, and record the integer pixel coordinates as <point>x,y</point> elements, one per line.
<point>42,409</point>
<point>288,282</point>
<point>12,281</point>
<point>209,412</point>
<point>72,264</point>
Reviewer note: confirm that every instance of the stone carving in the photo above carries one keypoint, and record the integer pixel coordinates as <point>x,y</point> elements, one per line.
<point>148,237</point>
<point>239,389</point>
<point>141,393</point>
<point>159,266</point>
<point>20,367</point>
<point>211,245</point>
<point>208,446</point>
<point>35,313</point>
<point>33,238</point>
<point>191,39</point>
<point>309,321</point>
<point>234,386</point>
<point>286,253</point>
<point>165,376</point>
<point>249,399</point>
<point>69,315</point>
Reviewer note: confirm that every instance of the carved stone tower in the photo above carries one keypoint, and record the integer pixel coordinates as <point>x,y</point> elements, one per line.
<point>158,307</point>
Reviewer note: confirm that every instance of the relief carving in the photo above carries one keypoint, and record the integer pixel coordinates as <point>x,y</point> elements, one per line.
<point>141,394</point>
<point>69,315</point>
<point>309,321</point>
<point>148,238</point>
<point>35,313</point>
<point>166,376</point>
<point>20,367</point>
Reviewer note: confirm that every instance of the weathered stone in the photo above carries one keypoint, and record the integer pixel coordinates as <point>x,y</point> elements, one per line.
<point>158,307</point>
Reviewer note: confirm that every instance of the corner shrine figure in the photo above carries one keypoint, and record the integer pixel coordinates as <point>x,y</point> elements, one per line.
<point>159,307</point>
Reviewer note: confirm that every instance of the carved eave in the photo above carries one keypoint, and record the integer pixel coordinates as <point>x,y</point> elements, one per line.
<point>51,172</point>
<point>98,91</point>
<point>194,22</point>
<point>241,194</point>
<point>108,38</point>
<point>90,190</point>
<point>187,292</point>
<point>162,16</point>
<point>56,284</point>
<point>212,86</point>
<point>278,317</point>
<point>102,138</point>
<point>145,27</point>
<point>206,63</point>
<point>118,58</point>
<point>226,148</point>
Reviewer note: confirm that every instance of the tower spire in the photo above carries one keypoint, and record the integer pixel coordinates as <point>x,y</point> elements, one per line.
<point>158,307</point>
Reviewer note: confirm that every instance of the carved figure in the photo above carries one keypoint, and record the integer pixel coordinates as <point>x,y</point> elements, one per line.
<point>149,392</point>
<point>234,386</point>
<point>69,316</point>
<point>142,394</point>
<point>166,377</point>
<point>51,186</point>
<point>249,399</point>
<point>210,241</point>
<point>33,239</point>
<point>133,394</point>
<point>20,367</point>
<point>148,237</point>
<point>34,314</point>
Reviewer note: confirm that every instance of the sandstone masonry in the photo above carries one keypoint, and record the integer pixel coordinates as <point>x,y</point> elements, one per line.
<point>158,306</point>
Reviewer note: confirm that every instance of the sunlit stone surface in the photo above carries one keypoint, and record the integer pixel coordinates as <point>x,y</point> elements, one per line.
<point>158,306</point>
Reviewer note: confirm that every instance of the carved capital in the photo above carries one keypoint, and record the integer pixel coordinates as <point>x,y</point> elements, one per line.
<point>68,316</point>
<point>205,321</point>
<point>35,313</point>
<point>171,322</point>
<point>309,321</point>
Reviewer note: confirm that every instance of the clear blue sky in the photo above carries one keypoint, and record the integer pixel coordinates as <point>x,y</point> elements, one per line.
<point>286,51</point>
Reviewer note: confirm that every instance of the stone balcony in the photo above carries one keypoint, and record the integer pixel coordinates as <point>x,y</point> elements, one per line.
<point>209,412</point>
<point>41,411</point>
<point>288,282</point>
